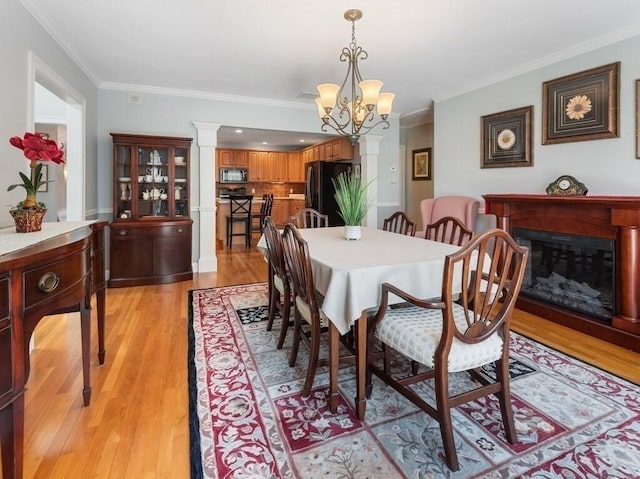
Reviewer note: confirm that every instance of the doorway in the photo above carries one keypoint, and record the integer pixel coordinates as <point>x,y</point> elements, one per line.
<point>55,102</point>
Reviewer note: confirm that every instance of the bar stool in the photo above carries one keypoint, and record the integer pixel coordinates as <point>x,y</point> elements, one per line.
<point>239,212</point>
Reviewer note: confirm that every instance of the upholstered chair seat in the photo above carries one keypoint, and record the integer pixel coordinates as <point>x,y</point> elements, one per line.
<point>417,332</point>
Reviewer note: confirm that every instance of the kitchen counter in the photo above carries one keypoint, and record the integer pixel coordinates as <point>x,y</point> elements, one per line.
<point>283,207</point>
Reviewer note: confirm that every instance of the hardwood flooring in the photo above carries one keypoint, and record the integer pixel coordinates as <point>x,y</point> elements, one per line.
<point>137,423</point>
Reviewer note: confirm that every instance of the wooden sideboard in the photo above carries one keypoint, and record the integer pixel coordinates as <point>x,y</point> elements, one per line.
<point>58,272</point>
<point>609,217</point>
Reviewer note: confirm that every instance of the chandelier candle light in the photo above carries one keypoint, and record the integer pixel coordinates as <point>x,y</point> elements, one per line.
<point>353,116</point>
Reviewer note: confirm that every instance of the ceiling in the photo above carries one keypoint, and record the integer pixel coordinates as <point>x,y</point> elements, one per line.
<point>280,50</point>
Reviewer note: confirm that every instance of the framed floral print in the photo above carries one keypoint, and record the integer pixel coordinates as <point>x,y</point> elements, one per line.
<point>421,164</point>
<point>582,106</point>
<point>506,138</point>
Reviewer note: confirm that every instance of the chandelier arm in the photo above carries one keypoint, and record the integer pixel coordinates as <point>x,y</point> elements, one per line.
<point>351,114</point>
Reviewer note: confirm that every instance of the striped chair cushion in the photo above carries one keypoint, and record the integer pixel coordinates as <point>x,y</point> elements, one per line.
<point>278,283</point>
<point>305,310</point>
<point>415,332</point>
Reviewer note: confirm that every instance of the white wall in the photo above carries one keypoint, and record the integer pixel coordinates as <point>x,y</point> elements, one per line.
<point>606,167</point>
<point>19,34</point>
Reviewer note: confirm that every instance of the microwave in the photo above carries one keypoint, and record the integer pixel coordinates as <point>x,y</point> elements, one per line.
<point>234,175</point>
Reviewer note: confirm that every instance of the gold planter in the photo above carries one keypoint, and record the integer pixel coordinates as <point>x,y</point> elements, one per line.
<point>28,220</point>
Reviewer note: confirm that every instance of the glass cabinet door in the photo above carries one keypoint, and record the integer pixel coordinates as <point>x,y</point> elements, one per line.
<point>123,185</point>
<point>181,175</point>
<point>153,182</point>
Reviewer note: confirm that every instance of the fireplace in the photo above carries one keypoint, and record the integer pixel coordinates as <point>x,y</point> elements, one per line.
<point>589,244</point>
<point>572,271</point>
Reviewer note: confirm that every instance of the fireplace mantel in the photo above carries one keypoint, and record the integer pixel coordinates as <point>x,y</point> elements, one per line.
<point>610,217</point>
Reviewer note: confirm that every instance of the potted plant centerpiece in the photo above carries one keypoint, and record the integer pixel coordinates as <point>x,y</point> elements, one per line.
<point>351,196</point>
<point>28,214</point>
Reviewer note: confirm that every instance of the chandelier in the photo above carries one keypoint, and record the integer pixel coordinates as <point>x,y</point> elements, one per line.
<point>353,115</point>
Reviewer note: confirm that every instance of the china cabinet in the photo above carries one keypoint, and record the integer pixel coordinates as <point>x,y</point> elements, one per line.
<point>151,229</point>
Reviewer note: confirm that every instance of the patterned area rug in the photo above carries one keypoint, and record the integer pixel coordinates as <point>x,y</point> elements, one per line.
<point>250,421</point>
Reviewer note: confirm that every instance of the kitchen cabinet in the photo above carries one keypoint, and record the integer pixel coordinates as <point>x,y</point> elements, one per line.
<point>151,229</point>
<point>258,165</point>
<point>231,158</point>
<point>296,167</point>
<point>278,167</point>
<point>280,211</point>
<point>295,206</point>
<point>339,149</point>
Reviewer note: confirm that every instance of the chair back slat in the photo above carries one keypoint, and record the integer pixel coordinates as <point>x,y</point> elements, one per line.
<point>309,218</point>
<point>490,270</point>
<point>275,252</point>
<point>298,261</point>
<point>449,230</point>
<point>267,204</point>
<point>400,223</point>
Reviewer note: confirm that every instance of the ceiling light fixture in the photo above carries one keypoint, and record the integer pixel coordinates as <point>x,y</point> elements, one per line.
<point>354,115</point>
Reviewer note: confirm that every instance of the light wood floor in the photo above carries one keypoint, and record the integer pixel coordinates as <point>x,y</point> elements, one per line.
<point>137,423</point>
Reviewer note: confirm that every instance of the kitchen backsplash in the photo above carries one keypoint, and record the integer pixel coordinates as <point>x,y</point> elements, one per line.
<point>261,188</point>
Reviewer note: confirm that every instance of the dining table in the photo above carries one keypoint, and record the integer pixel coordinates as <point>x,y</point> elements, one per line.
<point>349,274</point>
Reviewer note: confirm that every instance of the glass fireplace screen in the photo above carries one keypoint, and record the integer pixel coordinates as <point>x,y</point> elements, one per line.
<point>571,271</point>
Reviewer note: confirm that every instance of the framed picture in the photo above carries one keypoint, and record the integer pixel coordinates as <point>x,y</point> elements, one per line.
<point>421,164</point>
<point>506,138</point>
<point>637,118</point>
<point>583,106</point>
<point>45,177</point>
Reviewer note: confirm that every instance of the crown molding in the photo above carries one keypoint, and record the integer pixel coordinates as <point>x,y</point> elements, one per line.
<point>35,11</point>
<point>571,52</point>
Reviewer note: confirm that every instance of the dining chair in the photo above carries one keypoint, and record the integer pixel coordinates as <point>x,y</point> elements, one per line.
<point>239,212</point>
<point>309,218</point>
<point>465,208</point>
<point>279,285</point>
<point>257,220</point>
<point>465,329</point>
<point>449,230</point>
<point>400,223</point>
<point>307,305</point>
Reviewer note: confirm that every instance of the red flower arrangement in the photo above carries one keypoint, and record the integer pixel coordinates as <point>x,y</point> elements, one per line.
<point>36,149</point>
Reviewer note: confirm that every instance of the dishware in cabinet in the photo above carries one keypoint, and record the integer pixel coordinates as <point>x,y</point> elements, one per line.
<point>150,188</point>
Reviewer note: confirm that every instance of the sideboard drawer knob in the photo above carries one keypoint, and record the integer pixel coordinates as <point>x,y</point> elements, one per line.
<point>48,282</point>
<point>180,230</point>
<point>122,232</point>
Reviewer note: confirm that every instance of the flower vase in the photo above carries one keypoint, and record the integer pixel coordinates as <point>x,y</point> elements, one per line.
<point>29,220</point>
<point>352,232</point>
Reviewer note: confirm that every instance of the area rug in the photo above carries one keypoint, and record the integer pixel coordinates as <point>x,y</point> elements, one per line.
<point>249,419</point>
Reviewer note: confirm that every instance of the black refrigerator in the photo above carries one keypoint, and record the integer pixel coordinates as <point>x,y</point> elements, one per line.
<point>319,191</point>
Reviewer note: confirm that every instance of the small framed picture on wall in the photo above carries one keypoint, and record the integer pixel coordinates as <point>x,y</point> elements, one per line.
<point>421,164</point>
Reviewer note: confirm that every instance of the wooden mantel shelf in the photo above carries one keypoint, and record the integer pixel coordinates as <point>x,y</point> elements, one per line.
<point>609,217</point>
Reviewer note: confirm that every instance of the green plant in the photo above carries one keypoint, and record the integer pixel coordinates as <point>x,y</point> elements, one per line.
<point>351,196</point>
<point>36,148</point>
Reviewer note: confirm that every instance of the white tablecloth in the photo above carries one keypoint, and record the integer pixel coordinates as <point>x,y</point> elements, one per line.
<point>349,273</point>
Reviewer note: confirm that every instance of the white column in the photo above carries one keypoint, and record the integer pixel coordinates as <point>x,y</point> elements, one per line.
<point>369,149</point>
<point>207,142</point>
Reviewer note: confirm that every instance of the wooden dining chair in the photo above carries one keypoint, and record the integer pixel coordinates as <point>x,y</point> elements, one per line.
<point>464,330</point>
<point>239,212</point>
<point>449,230</point>
<point>257,220</point>
<point>400,223</point>
<point>309,218</point>
<point>279,285</point>
<point>308,312</point>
